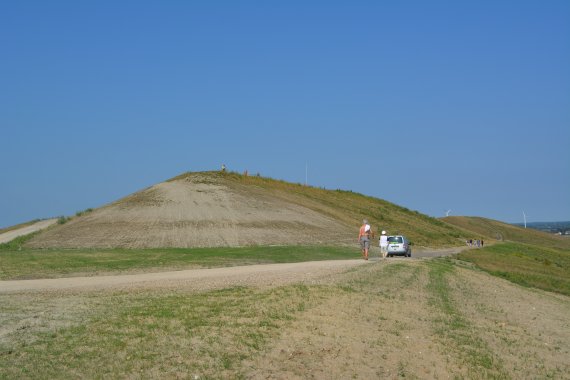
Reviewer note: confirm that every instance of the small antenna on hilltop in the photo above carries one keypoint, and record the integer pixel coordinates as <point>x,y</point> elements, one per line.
<point>306,172</point>
<point>447,212</point>
<point>524,217</point>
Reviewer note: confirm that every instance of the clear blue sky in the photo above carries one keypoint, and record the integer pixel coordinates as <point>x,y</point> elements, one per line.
<point>433,105</point>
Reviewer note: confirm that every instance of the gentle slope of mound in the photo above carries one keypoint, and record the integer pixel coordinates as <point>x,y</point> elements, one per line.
<point>493,229</point>
<point>209,209</point>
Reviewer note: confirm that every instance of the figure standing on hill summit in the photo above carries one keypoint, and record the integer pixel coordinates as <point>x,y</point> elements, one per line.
<point>364,238</point>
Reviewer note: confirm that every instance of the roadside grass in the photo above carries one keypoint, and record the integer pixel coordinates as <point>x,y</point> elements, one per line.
<point>151,334</point>
<point>32,264</point>
<point>17,243</point>
<point>524,264</point>
<point>455,330</point>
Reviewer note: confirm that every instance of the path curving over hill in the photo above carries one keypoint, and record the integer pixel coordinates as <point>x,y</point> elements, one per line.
<point>38,226</point>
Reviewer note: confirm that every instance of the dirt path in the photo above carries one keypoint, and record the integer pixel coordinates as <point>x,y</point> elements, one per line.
<point>199,279</point>
<point>11,235</point>
<point>275,274</point>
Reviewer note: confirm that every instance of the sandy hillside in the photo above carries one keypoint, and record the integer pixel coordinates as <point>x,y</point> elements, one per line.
<point>197,211</point>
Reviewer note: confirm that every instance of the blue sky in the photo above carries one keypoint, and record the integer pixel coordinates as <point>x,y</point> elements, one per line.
<point>461,105</point>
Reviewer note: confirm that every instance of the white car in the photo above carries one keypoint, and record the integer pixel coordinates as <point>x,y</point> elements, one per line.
<point>399,245</point>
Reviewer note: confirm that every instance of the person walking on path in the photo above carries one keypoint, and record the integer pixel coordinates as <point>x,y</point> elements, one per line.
<point>364,238</point>
<point>383,244</point>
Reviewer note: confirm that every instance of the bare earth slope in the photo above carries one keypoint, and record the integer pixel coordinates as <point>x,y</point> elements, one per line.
<point>197,210</point>
<point>213,209</point>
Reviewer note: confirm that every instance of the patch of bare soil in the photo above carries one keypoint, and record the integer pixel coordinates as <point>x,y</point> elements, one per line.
<point>197,212</point>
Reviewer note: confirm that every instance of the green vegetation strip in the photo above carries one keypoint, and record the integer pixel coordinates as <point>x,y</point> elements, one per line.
<point>31,264</point>
<point>455,330</point>
<point>524,264</point>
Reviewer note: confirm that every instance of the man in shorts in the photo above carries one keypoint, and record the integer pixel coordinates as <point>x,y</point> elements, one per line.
<point>364,238</point>
<point>383,244</point>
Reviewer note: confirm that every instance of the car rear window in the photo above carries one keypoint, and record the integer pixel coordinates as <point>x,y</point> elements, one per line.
<point>395,239</point>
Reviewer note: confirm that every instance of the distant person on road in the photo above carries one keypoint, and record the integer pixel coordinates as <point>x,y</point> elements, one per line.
<point>383,244</point>
<point>364,238</point>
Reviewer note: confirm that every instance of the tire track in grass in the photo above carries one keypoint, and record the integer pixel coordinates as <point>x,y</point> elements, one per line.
<point>360,332</point>
<point>456,332</point>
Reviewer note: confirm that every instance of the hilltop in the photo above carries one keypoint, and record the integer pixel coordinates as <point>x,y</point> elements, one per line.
<point>215,209</point>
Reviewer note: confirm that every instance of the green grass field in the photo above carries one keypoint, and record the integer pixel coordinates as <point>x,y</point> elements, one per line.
<point>525,264</point>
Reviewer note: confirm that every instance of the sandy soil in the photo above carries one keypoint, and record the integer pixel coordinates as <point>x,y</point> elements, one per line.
<point>196,212</point>
<point>11,235</point>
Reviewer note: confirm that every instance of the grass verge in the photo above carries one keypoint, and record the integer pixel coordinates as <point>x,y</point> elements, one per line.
<point>29,264</point>
<point>524,264</point>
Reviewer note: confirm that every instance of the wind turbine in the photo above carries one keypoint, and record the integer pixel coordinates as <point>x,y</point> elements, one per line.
<point>447,212</point>
<point>524,217</point>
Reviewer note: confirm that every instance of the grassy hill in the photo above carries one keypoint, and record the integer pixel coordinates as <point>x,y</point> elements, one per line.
<point>350,208</point>
<point>215,209</point>
<point>526,256</point>
<point>493,229</point>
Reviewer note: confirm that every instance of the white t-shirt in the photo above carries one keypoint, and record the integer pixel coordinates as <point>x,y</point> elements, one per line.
<point>383,241</point>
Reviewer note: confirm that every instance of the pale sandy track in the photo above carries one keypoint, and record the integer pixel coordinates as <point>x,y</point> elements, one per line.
<point>201,279</point>
<point>260,274</point>
<point>11,235</point>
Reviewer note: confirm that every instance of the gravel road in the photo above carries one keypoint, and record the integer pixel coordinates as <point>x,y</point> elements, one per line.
<point>205,279</point>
